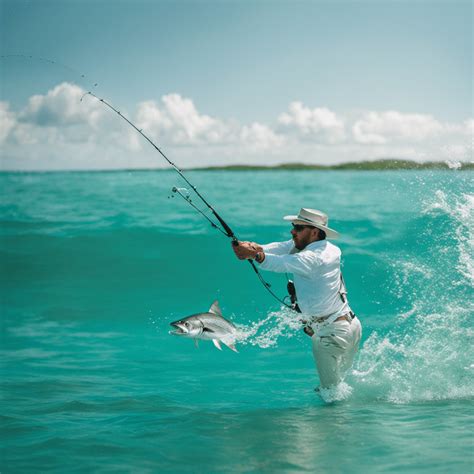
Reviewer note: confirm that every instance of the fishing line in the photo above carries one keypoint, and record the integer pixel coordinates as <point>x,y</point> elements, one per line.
<point>54,62</point>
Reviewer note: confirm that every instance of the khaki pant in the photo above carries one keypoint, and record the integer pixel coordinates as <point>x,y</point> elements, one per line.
<point>334,349</point>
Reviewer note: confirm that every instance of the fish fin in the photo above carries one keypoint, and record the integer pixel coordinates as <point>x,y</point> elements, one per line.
<point>216,343</point>
<point>207,330</point>
<point>196,342</point>
<point>215,308</point>
<point>231,346</point>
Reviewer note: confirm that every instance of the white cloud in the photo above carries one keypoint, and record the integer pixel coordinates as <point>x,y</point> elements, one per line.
<point>320,124</point>
<point>259,137</point>
<point>414,136</point>
<point>7,121</point>
<point>177,120</point>
<point>60,107</point>
<point>58,131</point>
<point>61,119</point>
<point>187,119</point>
<point>469,127</point>
<point>385,127</point>
<point>151,117</point>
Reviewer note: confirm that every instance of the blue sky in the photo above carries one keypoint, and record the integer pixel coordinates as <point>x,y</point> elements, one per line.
<point>240,81</point>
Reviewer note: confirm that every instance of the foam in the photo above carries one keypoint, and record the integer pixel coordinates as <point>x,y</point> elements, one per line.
<point>424,356</point>
<point>267,331</point>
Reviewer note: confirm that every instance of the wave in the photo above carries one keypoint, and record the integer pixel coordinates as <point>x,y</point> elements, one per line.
<point>426,355</point>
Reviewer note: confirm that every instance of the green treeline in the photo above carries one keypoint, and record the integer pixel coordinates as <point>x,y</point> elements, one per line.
<point>386,164</point>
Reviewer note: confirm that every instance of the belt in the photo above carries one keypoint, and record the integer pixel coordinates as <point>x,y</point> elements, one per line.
<point>345,317</point>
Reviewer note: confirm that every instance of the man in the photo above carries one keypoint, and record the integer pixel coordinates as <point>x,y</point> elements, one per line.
<point>321,295</point>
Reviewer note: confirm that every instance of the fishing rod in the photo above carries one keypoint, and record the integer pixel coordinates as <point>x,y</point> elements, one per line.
<point>226,230</point>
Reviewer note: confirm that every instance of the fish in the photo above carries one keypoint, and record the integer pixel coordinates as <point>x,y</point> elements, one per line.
<point>210,326</point>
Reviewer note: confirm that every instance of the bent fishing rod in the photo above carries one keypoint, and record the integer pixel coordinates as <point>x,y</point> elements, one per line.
<point>226,230</point>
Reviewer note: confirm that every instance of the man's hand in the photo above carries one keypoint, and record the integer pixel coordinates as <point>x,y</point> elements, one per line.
<point>245,250</point>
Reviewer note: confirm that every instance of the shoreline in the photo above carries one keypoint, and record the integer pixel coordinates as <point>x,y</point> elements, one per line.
<point>377,165</point>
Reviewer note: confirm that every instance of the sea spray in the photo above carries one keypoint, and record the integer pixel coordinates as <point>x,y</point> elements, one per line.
<point>266,332</point>
<point>425,355</point>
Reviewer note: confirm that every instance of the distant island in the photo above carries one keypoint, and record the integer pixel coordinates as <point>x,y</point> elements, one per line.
<point>390,164</point>
<point>377,165</point>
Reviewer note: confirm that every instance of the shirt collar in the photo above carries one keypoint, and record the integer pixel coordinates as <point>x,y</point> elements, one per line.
<point>316,245</point>
<point>313,245</point>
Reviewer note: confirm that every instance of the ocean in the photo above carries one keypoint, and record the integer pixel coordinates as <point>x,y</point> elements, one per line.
<point>95,265</point>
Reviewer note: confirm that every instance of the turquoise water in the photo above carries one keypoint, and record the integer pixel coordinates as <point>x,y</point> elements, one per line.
<point>94,266</point>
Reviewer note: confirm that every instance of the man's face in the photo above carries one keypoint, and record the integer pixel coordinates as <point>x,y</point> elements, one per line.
<point>303,235</point>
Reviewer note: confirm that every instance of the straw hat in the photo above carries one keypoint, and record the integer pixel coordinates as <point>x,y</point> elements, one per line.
<point>315,218</point>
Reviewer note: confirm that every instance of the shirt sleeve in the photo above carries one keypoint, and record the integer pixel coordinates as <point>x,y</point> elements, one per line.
<point>302,263</point>
<point>278,248</point>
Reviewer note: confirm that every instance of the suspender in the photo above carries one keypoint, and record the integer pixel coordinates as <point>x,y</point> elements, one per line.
<point>294,301</point>
<point>292,292</point>
<point>343,294</point>
<point>342,289</point>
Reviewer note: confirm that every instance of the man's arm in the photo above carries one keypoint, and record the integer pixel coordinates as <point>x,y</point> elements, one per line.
<point>252,250</point>
<point>302,263</point>
<point>279,248</point>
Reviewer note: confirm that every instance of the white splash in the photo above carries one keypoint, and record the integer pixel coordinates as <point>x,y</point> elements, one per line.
<point>425,356</point>
<point>461,210</point>
<point>266,332</point>
<point>426,361</point>
<point>454,164</point>
<point>338,393</point>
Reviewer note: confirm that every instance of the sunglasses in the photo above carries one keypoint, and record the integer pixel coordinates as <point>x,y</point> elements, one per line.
<point>300,227</point>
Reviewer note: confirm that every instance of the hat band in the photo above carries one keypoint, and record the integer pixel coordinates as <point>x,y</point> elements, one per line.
<point>298,218</point>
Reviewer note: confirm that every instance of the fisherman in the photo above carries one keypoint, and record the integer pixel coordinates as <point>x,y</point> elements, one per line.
<point>320,291</point>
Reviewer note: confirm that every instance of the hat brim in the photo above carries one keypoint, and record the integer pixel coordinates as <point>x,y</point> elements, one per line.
<point>330,233</point>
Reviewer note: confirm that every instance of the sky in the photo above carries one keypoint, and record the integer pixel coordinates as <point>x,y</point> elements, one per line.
<point>227,82</point>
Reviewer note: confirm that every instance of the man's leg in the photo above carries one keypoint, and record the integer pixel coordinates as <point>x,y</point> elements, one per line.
<point>348,357</point>
<point>327,356</point>
<point>334,349</point>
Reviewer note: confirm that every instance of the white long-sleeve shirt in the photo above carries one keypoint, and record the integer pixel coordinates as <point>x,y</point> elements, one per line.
<point>316,272</point>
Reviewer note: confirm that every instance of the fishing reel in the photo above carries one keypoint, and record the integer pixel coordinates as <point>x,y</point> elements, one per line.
<point>186,195</point>
<point>183,192</point>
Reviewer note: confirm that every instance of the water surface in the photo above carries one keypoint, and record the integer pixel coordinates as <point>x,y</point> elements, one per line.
<point>94,266</point>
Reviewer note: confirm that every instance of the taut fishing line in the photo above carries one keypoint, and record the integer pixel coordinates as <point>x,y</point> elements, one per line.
<point>221,226</point>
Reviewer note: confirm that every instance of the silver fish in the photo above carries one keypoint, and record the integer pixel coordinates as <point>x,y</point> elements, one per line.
<point>210,326</point>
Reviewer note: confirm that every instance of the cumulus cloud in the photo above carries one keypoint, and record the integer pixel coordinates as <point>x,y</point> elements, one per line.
<point>58,131</point>
<point>320,124</point>
<point>176,119</point>
<point>60,118</point>
<point>7,121</point>
<point>259,137</point>
<point>469,127</point>
<point>60,107</point>
<point>383,127</point>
